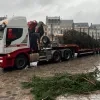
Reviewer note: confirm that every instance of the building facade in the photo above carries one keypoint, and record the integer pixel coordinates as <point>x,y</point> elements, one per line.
<point>56,26</point>
<point>81,27</point>
<point>66,25</point>
<point>53,26</point>
<point>92,30</point>
<point>95,30</point>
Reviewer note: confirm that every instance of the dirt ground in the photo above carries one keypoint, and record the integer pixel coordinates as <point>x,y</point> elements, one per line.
<point>10,82</point>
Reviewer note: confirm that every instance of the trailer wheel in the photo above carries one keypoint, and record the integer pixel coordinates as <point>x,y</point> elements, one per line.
<point>67,54</point>
<point>73,54</point>
<point>56,57</point>
<point>21,62</point>
<point>97,52</point>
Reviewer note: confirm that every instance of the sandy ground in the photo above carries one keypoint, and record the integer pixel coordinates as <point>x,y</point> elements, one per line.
<point>10,82</point>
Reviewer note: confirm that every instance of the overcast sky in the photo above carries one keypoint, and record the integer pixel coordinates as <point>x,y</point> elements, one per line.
<point>78,10</point>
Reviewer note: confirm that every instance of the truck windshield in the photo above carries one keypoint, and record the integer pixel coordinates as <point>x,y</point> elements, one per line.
<point>1,32</point>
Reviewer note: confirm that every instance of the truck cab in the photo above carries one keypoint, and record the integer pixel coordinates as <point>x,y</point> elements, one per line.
<point>13,33</point>
<point>14,42</point>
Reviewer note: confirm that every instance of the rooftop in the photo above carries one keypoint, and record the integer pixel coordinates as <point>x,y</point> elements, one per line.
<point>56,17</point>
<point>81,24</point>
<point>97,26</point>
<point>66,21</point>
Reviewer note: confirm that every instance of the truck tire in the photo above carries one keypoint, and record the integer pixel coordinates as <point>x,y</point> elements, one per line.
<point>67,54</point>
<point>97,52</point>
<point>21,62</point>
<point>72,54</point>
<point>56,57</point>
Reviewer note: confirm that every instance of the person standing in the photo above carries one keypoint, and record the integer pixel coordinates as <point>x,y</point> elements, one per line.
<point>33,37</point>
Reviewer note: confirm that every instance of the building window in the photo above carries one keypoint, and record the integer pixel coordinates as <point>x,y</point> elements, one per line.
<point>58,26</point>
<point>55,26</point>
<point>49,29</point>
<point>48,26</point>
<point>58,32</point>
<point>49,32</point>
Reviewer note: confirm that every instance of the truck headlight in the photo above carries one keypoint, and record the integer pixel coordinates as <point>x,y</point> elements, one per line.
<point>1,61</point>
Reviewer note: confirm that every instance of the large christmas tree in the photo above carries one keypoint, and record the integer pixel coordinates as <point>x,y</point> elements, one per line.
<point>80,38</point>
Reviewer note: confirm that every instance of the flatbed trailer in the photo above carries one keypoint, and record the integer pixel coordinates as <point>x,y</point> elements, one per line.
<point>58,53</point>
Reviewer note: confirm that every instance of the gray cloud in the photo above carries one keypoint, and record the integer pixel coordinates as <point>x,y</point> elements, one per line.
<point>78,10</point>
<point>45,2</point>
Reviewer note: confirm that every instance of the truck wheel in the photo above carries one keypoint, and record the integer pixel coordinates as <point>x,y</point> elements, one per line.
<point>73,54</point>
<point>21,62</point>
<point>67,55</point>
<point>56,57</point>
